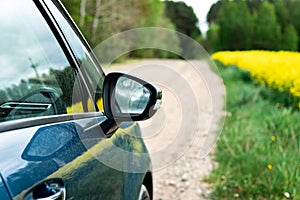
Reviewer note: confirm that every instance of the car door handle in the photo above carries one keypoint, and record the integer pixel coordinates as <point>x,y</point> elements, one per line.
<point>52,189</point>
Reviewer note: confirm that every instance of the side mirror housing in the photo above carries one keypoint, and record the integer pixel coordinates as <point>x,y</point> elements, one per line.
<point>127,98</point>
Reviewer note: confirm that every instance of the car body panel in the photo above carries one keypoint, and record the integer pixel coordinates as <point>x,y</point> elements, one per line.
<point>85,175</point>
<point>74,165</point>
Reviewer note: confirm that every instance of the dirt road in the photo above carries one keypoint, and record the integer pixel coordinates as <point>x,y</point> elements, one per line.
<point>181,135</point>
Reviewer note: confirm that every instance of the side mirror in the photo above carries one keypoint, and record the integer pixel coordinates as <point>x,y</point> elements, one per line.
<point>129,98</point>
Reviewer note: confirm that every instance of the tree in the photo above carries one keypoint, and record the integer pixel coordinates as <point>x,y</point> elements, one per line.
<point>293,8</point>
<point>254,5</point>
<point>235,23</point>
<point>214,11</point>
<point>152,12</point>
<point>153,15</point>
<point>183,17</point>
<point>212,43</point>
<point>266,33</point>
<point>3,96</point>
<point>186,22</point>
<point>82,13</point>
<point>100,19</point>
<point>290,38</point>
<point>282,12</point>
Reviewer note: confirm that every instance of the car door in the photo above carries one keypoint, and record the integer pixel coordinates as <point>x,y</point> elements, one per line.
<point>51,132</point>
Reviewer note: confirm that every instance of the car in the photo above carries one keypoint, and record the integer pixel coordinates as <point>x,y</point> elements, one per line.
<point>67,130</point>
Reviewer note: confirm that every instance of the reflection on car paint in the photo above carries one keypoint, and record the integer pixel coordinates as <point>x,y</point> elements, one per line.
<point>4,194</point>
<point>70,165</point>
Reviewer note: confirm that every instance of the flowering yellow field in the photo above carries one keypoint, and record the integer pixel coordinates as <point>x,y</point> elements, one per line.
<point>278,70</point>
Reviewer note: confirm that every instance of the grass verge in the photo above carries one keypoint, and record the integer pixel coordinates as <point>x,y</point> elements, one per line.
<point>258,150</point>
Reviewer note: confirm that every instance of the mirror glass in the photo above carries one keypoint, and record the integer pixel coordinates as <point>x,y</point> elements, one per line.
<point>131,96</point>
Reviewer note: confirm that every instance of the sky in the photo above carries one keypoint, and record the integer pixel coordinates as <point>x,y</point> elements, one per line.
<point>201,8</point>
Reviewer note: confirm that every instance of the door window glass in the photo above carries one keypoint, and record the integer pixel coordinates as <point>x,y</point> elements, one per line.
<point>36,79</point>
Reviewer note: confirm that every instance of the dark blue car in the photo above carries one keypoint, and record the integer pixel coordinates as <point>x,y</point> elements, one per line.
<point>67,131</point>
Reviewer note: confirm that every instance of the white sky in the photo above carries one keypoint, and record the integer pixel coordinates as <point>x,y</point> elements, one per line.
<point>201,8</point>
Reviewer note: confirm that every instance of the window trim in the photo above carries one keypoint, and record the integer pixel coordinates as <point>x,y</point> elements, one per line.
<point>50,119</point>
<point>83,41</point>
<point>67,49</point>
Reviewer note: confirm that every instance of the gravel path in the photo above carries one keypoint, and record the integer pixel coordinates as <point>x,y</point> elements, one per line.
<point>181,135</point>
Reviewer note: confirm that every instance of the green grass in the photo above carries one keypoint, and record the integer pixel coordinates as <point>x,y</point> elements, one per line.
<point>259,149</point>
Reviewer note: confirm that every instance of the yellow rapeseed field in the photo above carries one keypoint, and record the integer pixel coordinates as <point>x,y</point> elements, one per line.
<point>279,70</point>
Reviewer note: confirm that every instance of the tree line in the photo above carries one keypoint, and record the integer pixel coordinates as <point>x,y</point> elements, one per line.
<point>100,19</point>
<point>254,24</point>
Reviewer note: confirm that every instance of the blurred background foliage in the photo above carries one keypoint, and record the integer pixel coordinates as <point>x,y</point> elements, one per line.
<point>233,25</point>
<point>254,24</point>
<point>100,19</point>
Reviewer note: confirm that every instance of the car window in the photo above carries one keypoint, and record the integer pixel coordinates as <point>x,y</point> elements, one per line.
<point>92,73</point>
<point>36,78</point>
